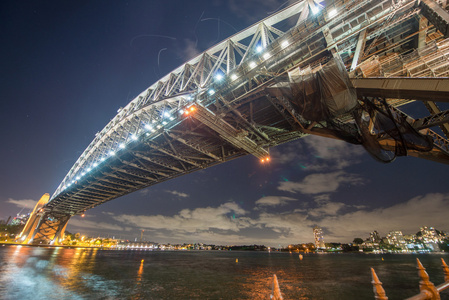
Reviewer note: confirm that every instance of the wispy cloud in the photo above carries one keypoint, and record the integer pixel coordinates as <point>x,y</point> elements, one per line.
<point>427,210</point>
<point>87,224</point>
<point>316,153</point>
<point>341,222</point>
<point>320,183</point>
<point>25,203</point>
<point>179,194</point>
<point>192,220</point>
<point>274,201</point>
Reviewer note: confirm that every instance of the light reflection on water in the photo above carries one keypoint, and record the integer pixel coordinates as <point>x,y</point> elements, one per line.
<point>67,273</point>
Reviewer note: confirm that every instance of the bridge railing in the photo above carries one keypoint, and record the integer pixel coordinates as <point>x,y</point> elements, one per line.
<point>428,291</point>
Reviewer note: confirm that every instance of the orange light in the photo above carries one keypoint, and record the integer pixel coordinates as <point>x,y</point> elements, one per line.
<point>192,108</point>
<point>262,160</point>
<point>268,159</point>
<point>187,112</point>
<point>82,215</point>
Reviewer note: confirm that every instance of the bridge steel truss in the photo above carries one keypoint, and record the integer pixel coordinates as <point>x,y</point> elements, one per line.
<point>216,107</point>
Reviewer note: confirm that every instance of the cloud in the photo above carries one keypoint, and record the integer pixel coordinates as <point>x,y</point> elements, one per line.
<point>179,194</point>
<point>25,203</point>
<point>320,183</point>
<point>409,216</point>
<point>315,153</point>
<point>327,209</point>
<point>274,200</point>
<point>192,220</point>
<point>86,224</point>
<point>189,49</point>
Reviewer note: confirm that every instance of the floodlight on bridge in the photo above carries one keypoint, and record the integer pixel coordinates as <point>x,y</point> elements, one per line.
<point>219,77</point>
<point>234,77</point>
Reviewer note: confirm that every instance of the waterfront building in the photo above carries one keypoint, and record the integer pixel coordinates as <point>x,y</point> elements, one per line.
<point>319,237</point>
<point>430,235</point>
<point>396,238</point>
<point>374,237</point>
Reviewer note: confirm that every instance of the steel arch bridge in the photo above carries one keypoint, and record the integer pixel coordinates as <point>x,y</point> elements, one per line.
<point>241,97</point>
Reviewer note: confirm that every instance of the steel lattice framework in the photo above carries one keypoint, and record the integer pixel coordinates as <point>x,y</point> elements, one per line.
<point>216,107</point>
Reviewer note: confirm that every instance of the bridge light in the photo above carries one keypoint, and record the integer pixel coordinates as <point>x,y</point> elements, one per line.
<point>218,77</point>
<point>332,13</point>
<point>102,159</point>
<point>315,9</point>
<point>265,159</point>
<point>164,123</point>
<point>82,215</point>
<point>84,173</point>
<point>134,137</point>
<point>259,49</point>
<point>234,77</point>
<point>211,92</point>
<point>148,127</point>
<point>111,153</point>
<point>122,146</point>
<point>252,64</point>
<point>95,165</point>
<point>89,169</point>
<point>159,126</point>
<point>167,114</point>
<point>266,55</point>
<point>78,178</point>
<point>284,44</point>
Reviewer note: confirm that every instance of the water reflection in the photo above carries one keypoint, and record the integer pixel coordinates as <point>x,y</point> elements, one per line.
<point>67,273</point>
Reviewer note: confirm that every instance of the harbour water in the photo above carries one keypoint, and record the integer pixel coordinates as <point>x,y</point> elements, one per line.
<point>81,273</point>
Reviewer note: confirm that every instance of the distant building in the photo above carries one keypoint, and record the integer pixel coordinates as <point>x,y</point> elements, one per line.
<point>374,237</point>
<point>319,237</point>
<point>430,235</point>
<point>396,238</point>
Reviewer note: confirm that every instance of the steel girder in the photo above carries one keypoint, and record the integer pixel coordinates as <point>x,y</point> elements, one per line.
<point>142,144</point>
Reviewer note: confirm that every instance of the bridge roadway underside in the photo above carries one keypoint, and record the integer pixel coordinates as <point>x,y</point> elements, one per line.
<point>390,49</point>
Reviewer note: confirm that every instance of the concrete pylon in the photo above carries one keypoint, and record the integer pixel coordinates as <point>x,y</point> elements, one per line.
<point>43,226</point>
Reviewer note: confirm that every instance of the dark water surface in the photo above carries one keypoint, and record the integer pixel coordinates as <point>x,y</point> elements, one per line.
<point>61,273</point>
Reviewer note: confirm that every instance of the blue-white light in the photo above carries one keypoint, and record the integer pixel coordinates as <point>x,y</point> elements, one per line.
<point>167,114</point>
<point>266,55</point>
<point>89,169</point>
<point>284,44</point>
<point>315,9</point>
<point>259,49</point>
<point>332,13</point>
<point>252,65</point>
<point>218,77</point>
<point>122,146</point>
<point>111,153</point>
<point>95,164</point>
<point>234,77</point>
<point>148,127</point>
<point>164,123</point>
<point>211,92</point>
<point>78,178</point>
<point>134,137</point>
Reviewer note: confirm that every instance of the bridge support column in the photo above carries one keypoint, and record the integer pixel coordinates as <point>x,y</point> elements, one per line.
<point>43,226</point>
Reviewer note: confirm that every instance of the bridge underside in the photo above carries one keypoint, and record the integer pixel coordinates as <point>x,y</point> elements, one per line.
<point>391,60</point>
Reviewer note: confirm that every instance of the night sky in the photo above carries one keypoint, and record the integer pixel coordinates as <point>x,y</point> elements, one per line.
<point>66,68</point>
